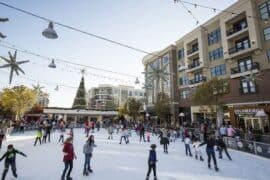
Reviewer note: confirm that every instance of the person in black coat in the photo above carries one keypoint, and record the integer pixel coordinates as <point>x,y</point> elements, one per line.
<point>152,159</point>
<point>222,146</point>
<point>210,143</point>
<point>10,160</point>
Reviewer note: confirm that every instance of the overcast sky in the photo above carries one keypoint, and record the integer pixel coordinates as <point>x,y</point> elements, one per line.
<point>146,24</point>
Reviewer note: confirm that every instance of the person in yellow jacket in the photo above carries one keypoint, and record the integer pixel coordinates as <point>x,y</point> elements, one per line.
<point>38,138</point>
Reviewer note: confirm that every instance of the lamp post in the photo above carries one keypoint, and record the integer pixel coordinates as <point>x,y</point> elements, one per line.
<point>181,115</point>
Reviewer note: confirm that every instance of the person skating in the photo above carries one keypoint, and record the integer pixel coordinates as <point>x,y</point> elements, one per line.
<point>49,129</point>
<point>198,153</point>
<point>210,143</point>
<point>69,156</point>
<point>152,160</point>
<point>123,136</point>
<point>142,132</point>
<point>2,136</point>
<point>88,152</point>
<point>44,133</point>
<point>10,160</point>
<point>164,140</point>
<point>110,132</point>
<point>62,134</point>
<point>222,146</point>
<point>187,146</point>
<point>38,137</point>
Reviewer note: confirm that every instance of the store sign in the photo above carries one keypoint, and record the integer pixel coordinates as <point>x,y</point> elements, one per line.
<point>247,111</point>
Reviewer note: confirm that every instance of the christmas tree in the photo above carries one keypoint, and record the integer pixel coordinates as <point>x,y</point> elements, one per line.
<point>80,99</point>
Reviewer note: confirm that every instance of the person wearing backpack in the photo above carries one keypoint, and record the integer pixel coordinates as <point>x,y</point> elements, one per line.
<point>152,160</point>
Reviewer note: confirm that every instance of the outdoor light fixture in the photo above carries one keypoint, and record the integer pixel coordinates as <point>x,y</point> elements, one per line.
<point>49,32</point>
<point>52,64</point>
<point>137,81</point>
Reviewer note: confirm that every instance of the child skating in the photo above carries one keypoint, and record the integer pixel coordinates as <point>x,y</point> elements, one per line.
<point>187,146</point>
<point>198,152</point>
<point>38,137</point>
<point>10,160</point>
<point>152,160</point>
<point>62,135</point>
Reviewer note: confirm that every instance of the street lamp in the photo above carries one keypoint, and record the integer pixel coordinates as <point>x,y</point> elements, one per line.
<point>181,115</point>
<point>49,32</point>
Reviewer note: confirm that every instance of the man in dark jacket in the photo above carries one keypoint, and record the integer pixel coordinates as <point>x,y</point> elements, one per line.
<point>10,160</point>
<point>222,146</point>
<point>152,159</point>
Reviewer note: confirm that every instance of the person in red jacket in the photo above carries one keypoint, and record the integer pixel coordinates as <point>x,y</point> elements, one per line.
<point>69,156</point>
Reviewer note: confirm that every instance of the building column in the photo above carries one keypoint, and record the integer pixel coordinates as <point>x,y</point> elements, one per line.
<point>65,117</point>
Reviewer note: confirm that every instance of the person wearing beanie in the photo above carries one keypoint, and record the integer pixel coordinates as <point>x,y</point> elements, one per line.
<point>152,160</point>
<point>10,160</point>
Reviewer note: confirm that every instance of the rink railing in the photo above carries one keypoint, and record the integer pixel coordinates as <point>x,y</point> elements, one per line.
<point>252,147</point>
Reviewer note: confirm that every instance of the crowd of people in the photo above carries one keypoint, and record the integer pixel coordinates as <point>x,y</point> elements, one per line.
<point>192,141</point>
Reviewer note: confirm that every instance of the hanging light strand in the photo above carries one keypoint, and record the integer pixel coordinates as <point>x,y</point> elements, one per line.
<point>213,8</point>
<point>12,46</point>
<point>80,31</point>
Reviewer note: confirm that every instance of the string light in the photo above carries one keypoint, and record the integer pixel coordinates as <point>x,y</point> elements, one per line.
<point>213,8</point>
<point>79,30</point>
<point>190,12</point>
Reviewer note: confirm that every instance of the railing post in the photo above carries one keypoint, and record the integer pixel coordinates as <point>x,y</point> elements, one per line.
<point>255,148</point>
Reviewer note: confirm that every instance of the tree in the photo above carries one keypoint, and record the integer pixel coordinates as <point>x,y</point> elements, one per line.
<point>210,94</point>
<point>132,107</point>
<point>18,99</point>
<point>80,99</point>
<point>162,106</point>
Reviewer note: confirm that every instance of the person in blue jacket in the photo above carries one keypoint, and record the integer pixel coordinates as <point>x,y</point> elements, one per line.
<point>152,159</point>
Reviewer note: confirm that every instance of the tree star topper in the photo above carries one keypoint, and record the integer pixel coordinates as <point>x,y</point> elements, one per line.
<point>13,64</point>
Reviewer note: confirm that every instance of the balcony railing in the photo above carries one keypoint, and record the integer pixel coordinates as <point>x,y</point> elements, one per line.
<point>248,90</point>
<point>193,65</point>
<point>235,30</point>
<point>191,51</point>
<point>241,69</point>
<point>196,81</point>
<point>238,49</point>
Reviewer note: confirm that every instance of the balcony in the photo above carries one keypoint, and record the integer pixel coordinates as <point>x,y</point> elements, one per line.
<point>248,90</point>
<point>192,51</point>
<point>193,65</point>
<point>234,50</point>
<point>244,71</point>
<point>197,81</point>
<point>236,30</point>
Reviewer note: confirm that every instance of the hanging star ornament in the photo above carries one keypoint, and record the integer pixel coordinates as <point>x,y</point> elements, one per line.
<point>13,64</point>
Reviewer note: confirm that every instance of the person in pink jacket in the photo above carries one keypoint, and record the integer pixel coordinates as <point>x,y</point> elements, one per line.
<point>230,131</point>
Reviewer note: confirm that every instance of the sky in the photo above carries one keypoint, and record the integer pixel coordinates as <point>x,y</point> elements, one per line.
<point>150,25</point>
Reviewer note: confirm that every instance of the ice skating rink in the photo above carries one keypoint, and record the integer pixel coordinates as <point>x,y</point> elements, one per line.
<point>112,161</point>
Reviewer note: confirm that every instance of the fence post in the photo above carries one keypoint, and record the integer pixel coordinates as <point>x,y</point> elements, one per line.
<point>255,148</point>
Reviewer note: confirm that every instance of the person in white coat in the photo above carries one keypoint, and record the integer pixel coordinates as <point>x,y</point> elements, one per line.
<point>198,152</point>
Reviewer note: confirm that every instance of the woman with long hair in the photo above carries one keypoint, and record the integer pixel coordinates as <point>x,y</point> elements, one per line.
<point>88,152</point>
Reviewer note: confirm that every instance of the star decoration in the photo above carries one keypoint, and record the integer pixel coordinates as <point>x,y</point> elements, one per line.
<point>13,64</point>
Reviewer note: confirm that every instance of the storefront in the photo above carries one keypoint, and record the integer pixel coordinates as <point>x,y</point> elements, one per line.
<point>252,116</point>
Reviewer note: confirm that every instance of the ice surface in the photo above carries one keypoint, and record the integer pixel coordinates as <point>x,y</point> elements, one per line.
<point>112,161</point>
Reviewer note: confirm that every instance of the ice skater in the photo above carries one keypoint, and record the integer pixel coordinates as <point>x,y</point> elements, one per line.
<point>110,132</point>
<point>38,137</point>
<point>222,146</point>
<point>187,146</point>
<point>164,140</point>
<point>198,152</point>
<point>2,137</point>
<point>88,154</point>
<point>10,160</point>
<point>210,143</point>
<point>62,135</point>
<point>152,160</point>
<point>44,133</point>
<point>123,136</point>
<point>69,156</point>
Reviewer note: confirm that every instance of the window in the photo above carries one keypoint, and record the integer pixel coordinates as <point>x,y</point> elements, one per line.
<point>243,43</point>
<point>245,64</point>
<point>184,95</point>
<point>165,59</point>
<point>247,87</point>
<point>216,54</point>
<point>214,37</point>
<point>264,10</point>
<point>266,33</point>
<point>198,77</point>
<point>184,80</point>
<point>268,55</point>
<point>218,70</point>
<point>181,53</point>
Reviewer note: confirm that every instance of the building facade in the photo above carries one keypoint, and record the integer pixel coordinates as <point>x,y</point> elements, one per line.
<point>108,97</point>
<point>234,45</point>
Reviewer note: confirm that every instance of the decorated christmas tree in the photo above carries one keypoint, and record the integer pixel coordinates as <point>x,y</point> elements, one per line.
<point>80,99</point>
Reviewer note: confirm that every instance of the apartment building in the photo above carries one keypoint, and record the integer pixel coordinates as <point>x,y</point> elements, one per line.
<point>234,45</point>
<point>108,97</point>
